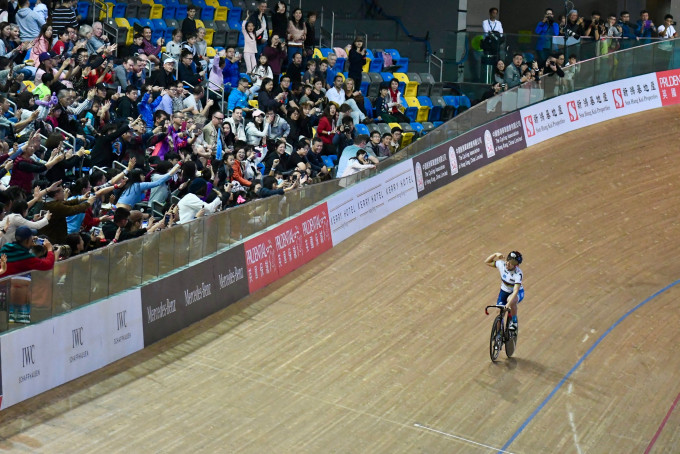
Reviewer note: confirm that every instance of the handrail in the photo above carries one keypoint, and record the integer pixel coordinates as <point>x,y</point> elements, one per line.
<point>439,63</point>
<point>219,92</point>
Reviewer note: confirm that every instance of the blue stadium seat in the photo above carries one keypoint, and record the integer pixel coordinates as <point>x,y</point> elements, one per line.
<point>398,60</point>
<point>435,110</point>
<point>325,51</point>
<point>234,14</point>
<point>181,13</point>
<point>361,129</point>
<point>418,128</point>
<point>437,123</point>
<point>83,8</point>
<point>119,10</point>
<point>369,108</point>
<point>377,63</point>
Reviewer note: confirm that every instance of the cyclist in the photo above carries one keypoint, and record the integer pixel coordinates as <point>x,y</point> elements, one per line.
<point>512,291</point>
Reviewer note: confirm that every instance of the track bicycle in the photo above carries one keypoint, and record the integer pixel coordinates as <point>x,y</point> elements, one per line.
<point>501,334</point>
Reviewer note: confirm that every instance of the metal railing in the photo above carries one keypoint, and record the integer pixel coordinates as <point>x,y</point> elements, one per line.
<point>96,275</point>
<point>437,63</point>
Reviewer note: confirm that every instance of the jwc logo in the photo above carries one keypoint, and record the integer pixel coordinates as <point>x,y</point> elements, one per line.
<point>120,320</point>
<point>529,125</point>
<point>573,113</point>
<point>27,355</point>
<point>77,335</point>
<point>618,98</point>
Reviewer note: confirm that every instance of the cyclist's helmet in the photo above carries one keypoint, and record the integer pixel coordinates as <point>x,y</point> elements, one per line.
<point>516,256</point>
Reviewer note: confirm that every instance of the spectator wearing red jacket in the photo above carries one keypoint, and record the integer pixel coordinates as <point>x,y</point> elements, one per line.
<point>20,259</point>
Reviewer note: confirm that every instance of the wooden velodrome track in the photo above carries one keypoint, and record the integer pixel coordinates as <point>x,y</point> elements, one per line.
<point>381,344</point>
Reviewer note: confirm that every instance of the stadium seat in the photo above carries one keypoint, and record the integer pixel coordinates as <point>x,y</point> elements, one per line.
<point>427,127</point>
<point>386,77</point>
<point>410,87</point>
<point>318,54</point>
<point>340,52</point>
<point>362,129</point>
<point>437,123</point>
<point>437,89</point>
<point>369,108</point>
<point>181,13</point>
<point>385,128</point>
<point>220,11</point>
<point>325,51</point>
<point>210,52</point>
<point>219,38</point>
<point>427,77</point>
<point>424,88</point>
<point>377,62</point>
<point>412,106</point>
<point>374,89</point>
<point>414,77</point>
<point>171,24</point>
<point>119,10</point>
<point>373,127</point>
<point>144,11</point>
<point>169,11</point>
<point>232,38</point>
<point>375,77</point>
<point>435,111</point>
<point>398,59</point>
<point>221,26</point>
<point>83,9</point>
<point>417,128</point>
<point>125,33</point>
<point>234,15</point>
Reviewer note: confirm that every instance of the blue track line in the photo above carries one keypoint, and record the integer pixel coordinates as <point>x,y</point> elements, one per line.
<point>578,363</point>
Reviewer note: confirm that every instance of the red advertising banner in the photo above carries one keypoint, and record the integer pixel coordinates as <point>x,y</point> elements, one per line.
<point>303,239</point>
<point>669,86</point>
<point>260,255</point>
<point>279,251</point>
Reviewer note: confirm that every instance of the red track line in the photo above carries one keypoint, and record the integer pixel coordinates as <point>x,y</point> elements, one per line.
<point>663,423</point>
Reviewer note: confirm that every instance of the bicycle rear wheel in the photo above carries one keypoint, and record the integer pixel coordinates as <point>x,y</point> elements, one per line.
<point>496,341</point>
<point>510,340</point>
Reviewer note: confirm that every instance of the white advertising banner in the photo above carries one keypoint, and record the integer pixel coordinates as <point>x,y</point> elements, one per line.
<point>43,356</point>
<point>361,205</point>
<point>590,106</point>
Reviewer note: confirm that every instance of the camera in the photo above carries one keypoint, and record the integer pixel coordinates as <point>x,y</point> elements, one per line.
<point>570,33</point>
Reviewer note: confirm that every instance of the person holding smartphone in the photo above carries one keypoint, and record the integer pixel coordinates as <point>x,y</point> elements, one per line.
<point>17,218</point>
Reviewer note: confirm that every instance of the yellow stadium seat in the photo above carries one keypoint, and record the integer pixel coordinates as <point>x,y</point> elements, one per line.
<point>106,12</point>
<point>313,131</point>
<point>423,111</point>
<point>209,33</point>
<point>156,10</point>
<point>317,53</point>
<point>121,22</point>
<point>254,104</point>
<point>366,66</point>
<point>406,139</point>
<point>394,125</point>
<point>221,12</point>
<point>210,52</point>
<point>30,86</point>
<point>199,23</point>
<point>401,77</point>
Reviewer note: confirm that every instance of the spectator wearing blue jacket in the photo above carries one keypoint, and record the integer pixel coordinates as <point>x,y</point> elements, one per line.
<point>645,28</point>
<point>146,108</point>
<point>230,71</point>
<point>29,21</point>
<point>546,29</point>
<point>135,187</point>
<point>239,97</point>
<point>627,31</point>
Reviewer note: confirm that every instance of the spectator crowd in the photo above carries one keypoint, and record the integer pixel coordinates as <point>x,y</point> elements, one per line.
<point>101,143</point>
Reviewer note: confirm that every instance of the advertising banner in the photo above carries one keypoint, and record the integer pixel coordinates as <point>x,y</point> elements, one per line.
<point>467,152</point>
<point>29,362</point>
<point>46,355</point>
<point>277,252</point>
<point>361,205</point>
<point>176,301</point>
<point>669,86</point>
<point>590,106</point>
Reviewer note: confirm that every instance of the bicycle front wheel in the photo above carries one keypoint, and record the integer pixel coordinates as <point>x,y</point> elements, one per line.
<point>510,340</point>
<point>496,341</point>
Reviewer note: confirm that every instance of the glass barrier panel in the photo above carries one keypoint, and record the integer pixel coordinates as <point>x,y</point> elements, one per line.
<point>99,273</point>
<point>181,244</point>
<point>41,294</point>
<point>269,211</point>
<point>166,256</point>
<point>5,289</point>
<point>134,262</point>
<point>242,225</point>
<point>62,287</point>
<point>224,238</point>
<point>150,256</point>
<point>118,258</point>
<point>196,239</point>
<point>210,233</point>
<point>81,280</point>
<point>20,301</point>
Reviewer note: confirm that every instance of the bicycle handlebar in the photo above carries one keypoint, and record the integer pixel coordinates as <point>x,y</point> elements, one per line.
<point>495,306</point>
